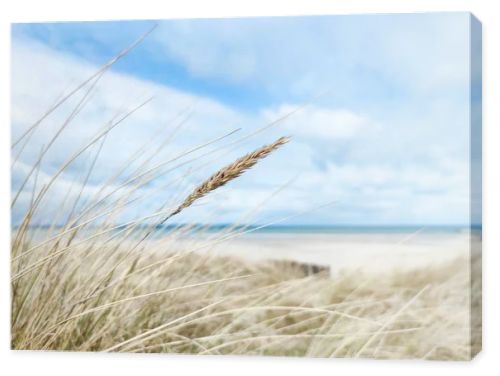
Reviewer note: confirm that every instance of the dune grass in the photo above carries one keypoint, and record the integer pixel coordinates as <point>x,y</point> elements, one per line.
<point>170,300</point>
<point>85,282</point>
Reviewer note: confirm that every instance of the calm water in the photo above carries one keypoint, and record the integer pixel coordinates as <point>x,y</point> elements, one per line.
<point>282,230</point>
<point>315,229</point>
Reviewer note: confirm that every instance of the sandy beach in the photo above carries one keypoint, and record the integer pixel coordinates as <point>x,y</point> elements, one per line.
<point>367,252</point>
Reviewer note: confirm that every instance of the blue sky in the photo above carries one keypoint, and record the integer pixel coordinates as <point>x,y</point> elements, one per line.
<point>385,134</point>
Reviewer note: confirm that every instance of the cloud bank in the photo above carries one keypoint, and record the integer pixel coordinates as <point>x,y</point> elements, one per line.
<point>388,142</point>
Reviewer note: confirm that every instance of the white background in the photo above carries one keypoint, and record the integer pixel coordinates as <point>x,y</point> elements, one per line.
<point>44,363</point>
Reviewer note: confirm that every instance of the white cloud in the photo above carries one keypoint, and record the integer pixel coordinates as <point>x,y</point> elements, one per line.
<point>321,124</point>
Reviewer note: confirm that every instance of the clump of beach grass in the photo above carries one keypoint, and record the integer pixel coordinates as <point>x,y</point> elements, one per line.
<point>86,282</point>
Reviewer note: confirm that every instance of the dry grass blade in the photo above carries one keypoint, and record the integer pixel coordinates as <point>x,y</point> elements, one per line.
<point>230,172</point>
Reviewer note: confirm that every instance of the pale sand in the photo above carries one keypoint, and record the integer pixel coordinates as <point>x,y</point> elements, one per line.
<point>365,252</point>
